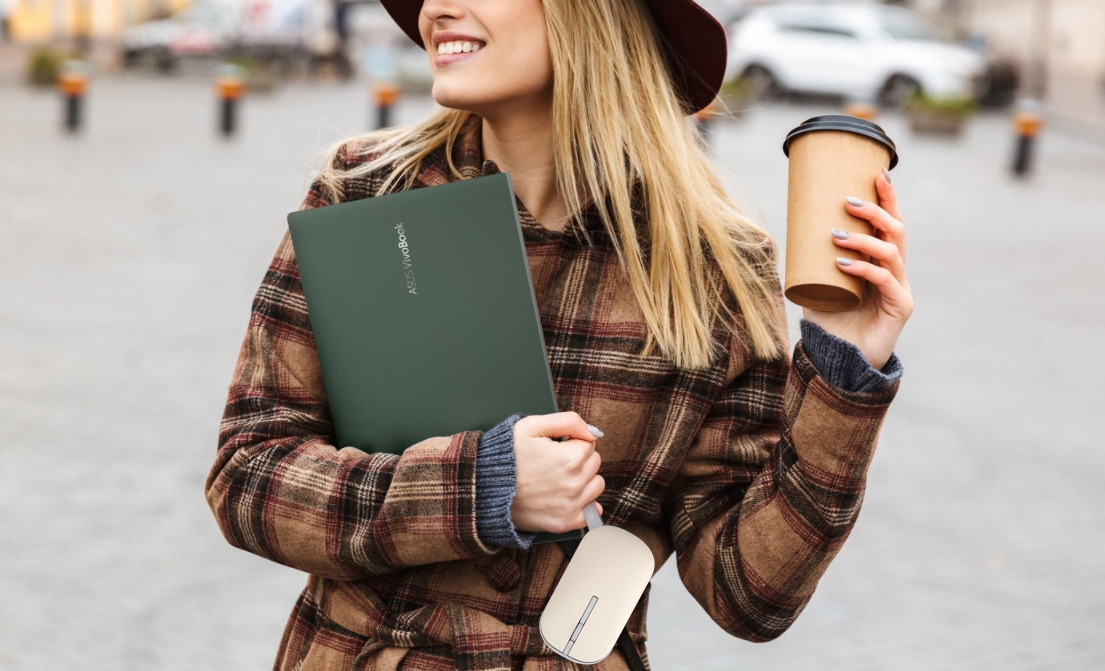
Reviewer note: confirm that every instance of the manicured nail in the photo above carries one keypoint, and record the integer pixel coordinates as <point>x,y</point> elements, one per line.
<point>886,174</point>
<point>837,233</point>
<point>843,261</point>
<point>595,431</point>
<point>854,202</point>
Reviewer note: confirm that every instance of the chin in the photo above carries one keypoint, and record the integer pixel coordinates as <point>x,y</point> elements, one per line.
<point>447,98</point>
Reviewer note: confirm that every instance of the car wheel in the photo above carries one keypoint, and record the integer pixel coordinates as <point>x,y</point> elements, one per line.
<point>898,91</point>
<point>762,85</point>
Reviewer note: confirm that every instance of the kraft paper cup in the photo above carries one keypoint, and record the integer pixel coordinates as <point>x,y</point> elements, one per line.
<point>831,157</point>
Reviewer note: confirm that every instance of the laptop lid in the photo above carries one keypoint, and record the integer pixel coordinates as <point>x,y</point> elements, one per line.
<point>423,312</point>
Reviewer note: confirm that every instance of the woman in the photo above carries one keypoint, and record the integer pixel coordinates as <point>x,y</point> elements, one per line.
<point>664,326</point>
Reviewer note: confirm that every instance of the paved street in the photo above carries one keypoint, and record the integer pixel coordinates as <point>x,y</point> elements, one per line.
<point>128,261</point>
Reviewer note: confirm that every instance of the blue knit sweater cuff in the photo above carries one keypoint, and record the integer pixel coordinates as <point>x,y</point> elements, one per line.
<point>842,364</point>
<point>495,487</point>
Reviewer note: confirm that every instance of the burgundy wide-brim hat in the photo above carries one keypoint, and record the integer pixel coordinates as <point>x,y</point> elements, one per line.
<point>696,44</point>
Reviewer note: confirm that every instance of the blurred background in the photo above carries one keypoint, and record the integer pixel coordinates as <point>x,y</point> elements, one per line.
<point>150,150</point>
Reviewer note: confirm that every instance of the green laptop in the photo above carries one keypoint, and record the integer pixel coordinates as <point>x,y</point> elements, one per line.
<point>424,314</point>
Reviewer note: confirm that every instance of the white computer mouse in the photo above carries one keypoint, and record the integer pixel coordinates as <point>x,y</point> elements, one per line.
<point>596,594</point>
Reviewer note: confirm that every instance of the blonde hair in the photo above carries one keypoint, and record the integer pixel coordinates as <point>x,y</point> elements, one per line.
<point>618,125</point>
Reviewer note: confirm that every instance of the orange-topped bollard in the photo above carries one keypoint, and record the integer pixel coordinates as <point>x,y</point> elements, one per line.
<point>230,86</point>
<point>861,109</point>
<point>73,84</point>
<point>862,105</point>
<point>1028,122</point>
<point>386,94</point>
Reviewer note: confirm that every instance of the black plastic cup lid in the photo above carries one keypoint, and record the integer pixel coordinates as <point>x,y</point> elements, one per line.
<point>848,124</point>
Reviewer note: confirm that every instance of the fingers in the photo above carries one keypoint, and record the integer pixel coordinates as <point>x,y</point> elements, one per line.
<point>887,227</point>
<point>895,295</point>
<point>886,253</point>
<point>567,475</point>
<point>585,460</point>
<point>595,487</point>
<point>558,425</point>
<point>591,464</point>
<point>888,200</point>
<point>590,494</point>
<point>879,218</point>
<point>581,520</point>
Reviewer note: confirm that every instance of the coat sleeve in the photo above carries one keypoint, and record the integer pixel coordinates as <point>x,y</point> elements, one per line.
<point>770,488</point>
<point>282,489</point>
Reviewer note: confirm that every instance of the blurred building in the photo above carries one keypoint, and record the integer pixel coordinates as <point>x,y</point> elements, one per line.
<point>40,21</point>
<point>1059,44</point>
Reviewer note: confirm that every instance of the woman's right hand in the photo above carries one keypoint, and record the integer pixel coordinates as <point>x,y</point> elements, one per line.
<point>555,480</point>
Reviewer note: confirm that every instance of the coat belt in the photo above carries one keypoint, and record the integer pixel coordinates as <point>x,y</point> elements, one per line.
<point>478,639</point>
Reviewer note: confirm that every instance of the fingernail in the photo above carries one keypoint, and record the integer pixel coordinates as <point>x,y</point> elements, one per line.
<point>886,174</point>
<point>843,235</point>
<point>595,431</point>
<point>843,261</point>
<point>853,201</point>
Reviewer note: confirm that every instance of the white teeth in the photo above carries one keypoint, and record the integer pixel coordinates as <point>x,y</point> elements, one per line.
<point>457,47</point>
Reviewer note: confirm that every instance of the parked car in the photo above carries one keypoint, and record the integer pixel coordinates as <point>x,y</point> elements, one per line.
<point>268,31</point>
<point>199,31</point>
<point>1003,73</point>
<point>866,51</point>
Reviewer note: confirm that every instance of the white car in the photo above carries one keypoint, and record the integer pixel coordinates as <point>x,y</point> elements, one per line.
<point>861,51</point>
<point>198,31</point>
<point>276,31</point>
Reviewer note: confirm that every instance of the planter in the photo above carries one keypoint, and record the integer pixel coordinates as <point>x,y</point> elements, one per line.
<point>940,116</point>
<point>261,80</point>
<point>736,97</point>
<point>259,76</point>
<point>44,66</point>
<point>937,122</point>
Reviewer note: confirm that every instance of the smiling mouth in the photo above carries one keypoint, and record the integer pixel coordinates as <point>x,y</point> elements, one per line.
<point>459,47</point>
<point>446,59</point>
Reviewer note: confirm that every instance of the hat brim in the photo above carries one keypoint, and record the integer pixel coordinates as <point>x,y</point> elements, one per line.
<point>696,44</point>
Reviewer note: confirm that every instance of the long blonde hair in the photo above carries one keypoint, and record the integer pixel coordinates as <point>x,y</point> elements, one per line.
<point>618,123</point>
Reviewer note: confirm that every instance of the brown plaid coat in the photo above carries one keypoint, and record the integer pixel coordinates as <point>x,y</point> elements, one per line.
<point>752,473</point>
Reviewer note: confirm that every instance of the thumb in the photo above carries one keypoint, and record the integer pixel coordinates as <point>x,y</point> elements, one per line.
<point>565,425</point>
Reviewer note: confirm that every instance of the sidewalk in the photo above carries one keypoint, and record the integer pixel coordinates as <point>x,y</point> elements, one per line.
<point>13,63</point>
<point>1076,106</point>
<point>139,244</point>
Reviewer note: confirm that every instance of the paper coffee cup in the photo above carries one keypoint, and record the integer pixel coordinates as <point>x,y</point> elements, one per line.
<point>831,157</point>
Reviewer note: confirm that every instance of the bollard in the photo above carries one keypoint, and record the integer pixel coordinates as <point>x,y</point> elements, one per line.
<point>1028,121</point>
<point>862,109</point>
<point>705,120</point>
<point>387,94</point>
<point>229,85</point>
<point>73,83</point>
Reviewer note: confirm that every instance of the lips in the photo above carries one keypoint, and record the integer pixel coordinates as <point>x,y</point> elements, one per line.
<point>452,36</point>
<point>445,59</point>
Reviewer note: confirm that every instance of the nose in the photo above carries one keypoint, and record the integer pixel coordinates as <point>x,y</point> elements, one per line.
<point>436,10</point>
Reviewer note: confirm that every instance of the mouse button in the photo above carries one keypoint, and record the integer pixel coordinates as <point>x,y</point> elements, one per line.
<point>557,646</point>
<point>598,636</point>
<point>560,617</point>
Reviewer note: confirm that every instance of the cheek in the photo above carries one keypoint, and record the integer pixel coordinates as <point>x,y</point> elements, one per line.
<point>529,64</point>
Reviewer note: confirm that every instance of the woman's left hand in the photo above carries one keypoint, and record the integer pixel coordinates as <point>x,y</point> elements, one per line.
<point>874,325</point>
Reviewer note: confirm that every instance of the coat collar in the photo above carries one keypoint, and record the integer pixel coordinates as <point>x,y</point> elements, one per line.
<point>467,154</point>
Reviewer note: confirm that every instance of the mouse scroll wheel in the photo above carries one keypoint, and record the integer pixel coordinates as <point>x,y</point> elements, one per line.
<point>586,614</point>
<point>582,621</point>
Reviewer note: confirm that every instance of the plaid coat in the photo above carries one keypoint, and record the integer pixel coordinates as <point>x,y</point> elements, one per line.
<point>752,473</point>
